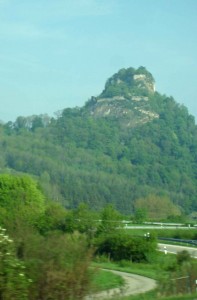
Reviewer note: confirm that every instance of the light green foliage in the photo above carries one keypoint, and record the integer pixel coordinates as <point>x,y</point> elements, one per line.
<point>140,215</point>
<point>85,220</point>
<point>104,280</point>
<point>157,207</point>
<point>20,198</point>
<point>181,275</point>
<point>111,220</point>
<point>13,281</point>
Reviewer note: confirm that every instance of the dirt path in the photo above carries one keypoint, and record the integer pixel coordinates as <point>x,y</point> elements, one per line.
<point>134,284</point>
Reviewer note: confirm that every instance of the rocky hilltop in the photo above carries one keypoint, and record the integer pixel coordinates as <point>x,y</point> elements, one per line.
<point>126,96</point>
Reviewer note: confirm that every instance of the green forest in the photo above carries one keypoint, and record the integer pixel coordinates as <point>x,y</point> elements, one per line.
<point>78,157</point>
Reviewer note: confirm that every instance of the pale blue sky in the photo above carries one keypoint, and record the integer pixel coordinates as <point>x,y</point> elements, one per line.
<point>58,53</point>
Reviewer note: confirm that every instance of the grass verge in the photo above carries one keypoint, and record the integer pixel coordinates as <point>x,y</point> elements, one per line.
<point>153,296</point>
<point>105,280</point>
<point>124,266</point>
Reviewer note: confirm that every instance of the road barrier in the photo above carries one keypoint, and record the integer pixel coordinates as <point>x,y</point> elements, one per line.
<point>191,242</point>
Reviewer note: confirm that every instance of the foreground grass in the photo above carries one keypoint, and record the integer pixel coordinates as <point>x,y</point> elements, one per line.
<point>105,280</point>
<point>124,266</point>
<point>153,296</point>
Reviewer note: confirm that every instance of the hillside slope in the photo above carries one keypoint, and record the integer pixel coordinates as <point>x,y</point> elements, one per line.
<point>129,142</point>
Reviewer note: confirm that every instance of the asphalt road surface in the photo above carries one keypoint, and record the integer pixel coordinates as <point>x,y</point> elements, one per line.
<point>157,227</point>
<point>175,249</point>
<point>134,284</point>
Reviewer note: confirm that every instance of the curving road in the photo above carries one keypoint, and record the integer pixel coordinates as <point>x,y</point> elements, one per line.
<point>134,284</point>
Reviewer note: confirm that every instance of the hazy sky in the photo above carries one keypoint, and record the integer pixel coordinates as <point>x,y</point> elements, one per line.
<point>58,53</point>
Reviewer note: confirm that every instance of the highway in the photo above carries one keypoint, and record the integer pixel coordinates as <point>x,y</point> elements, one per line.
<point>158,227</point>
<point>175,249</point>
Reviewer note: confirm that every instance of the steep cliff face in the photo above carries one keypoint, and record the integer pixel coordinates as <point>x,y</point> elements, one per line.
<point>126,97</point>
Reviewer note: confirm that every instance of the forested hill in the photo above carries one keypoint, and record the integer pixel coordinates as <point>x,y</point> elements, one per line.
<point>130,146</point>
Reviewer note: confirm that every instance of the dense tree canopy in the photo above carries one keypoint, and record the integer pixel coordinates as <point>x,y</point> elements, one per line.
<point>78,158</point>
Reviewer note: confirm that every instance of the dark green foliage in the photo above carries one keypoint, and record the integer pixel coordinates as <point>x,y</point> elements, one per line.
<point>124,84</point>
<point>120,246</point>
<point>53,218</point>
<point>183,257</point>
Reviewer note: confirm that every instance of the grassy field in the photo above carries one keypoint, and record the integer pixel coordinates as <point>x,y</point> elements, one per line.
<point>147,270</point>
<point>190,234</point>
<point>153,296</point>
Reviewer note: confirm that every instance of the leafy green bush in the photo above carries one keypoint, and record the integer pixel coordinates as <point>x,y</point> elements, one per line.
<point>120,246</point>
<point>57,263</point>
<point>13,281</point>
<point>20,197</point>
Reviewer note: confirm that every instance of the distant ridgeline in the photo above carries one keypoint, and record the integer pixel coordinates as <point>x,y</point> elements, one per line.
<point>129,146</point>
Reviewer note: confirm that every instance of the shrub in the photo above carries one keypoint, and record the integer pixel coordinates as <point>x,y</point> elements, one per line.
<point>120,246</point>
<point>13,281</point>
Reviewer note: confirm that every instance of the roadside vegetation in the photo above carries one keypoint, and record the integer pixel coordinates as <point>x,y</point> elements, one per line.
<point>48,252</point>
<point>175,275</point>
<point>153,296</point>
<point>166,232</point>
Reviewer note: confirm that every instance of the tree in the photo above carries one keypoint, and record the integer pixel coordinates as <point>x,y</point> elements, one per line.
<point>58,265</point>
<point>140,215</point>
<point>20,197</point>
<point>54,218</point>
<point>110,219</point>
<point>157,207</point>
<point>119,246</point>
<point>86,221</point>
